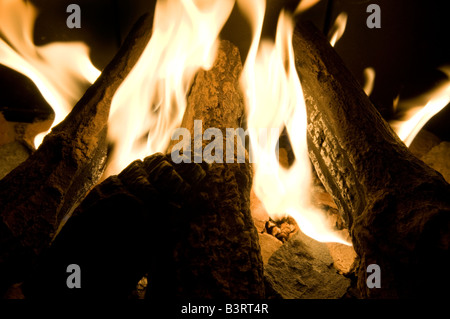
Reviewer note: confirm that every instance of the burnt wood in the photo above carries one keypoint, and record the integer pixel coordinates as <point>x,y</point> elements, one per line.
<point>37,195</point>
<point>125,226</point>
<point>396,207</point>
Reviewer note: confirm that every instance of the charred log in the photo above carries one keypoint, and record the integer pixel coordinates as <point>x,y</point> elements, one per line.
<point>396,207</point>
<point>37,195</point>
<point>117,233</point>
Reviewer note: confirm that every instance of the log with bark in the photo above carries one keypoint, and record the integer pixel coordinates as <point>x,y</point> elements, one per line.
<point>186,226</point>
<point>396,207</point>
<point>39,194</point>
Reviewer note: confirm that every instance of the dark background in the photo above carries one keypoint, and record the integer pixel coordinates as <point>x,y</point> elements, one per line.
<point>405,53</point>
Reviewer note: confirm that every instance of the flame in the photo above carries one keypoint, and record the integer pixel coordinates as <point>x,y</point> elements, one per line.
<point>61,71</point>
<point>151,101</point>
<point>417,116</point>
<point>305,5</point>
<point>274,98</point>
<point>338,28</point>
<point>369,80</point>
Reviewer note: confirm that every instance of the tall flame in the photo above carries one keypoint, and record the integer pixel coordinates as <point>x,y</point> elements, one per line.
<point>274,99</point>
<point>61,71</point>
<point>416,117</point>
<point>151,101</point>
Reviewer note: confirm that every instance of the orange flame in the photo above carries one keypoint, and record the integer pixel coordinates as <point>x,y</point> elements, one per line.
<point>369,80</point>
<point>305,5</point>
<point>416,117</point>
<point>60,82</point>
<point>338,28</point>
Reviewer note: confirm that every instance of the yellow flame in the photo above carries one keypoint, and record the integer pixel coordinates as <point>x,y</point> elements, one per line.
<point>417,116</point>
<point>338,28</point>
<point>151,101</point>
<point>61,71</point>
<point>274,99</point>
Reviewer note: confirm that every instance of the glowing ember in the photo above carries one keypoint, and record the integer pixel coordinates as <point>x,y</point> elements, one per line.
<point>60,83</point>
<point>416,117</point>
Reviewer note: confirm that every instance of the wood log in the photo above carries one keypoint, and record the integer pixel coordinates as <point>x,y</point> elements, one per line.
<point>187,226</point>
<point>37,195</point>
<point>226,226</point>
<point>396,207</point>
<point>119,230</point>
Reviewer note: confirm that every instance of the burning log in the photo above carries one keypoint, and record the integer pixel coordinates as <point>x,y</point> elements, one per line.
<point>397,208</point>
<point>227,226</point>
<point>37,196</point>
<point>209,247</point>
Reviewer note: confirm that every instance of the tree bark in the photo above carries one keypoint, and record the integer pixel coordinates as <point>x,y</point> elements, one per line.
<point>227,234</point>
<point>186,226</point>
<point>396,207</point>
<point>37,195</point>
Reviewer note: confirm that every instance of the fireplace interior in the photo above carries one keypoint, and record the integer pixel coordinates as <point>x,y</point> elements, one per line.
<point>153,228</point>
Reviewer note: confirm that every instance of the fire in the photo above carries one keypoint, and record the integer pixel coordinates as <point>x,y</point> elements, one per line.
<point>60,82</point>
<point>150,103</point>
<point>418,115</point>
<point>274,99</point>
<point>305,5</point>
<point>369,80</point>
<point>338,28</point>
